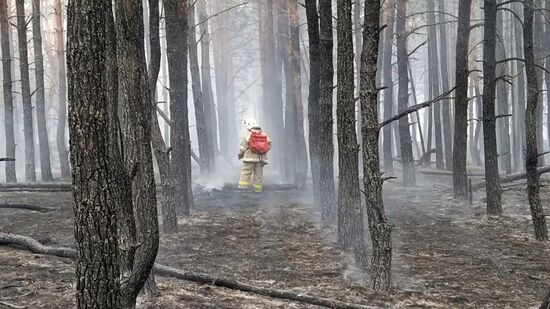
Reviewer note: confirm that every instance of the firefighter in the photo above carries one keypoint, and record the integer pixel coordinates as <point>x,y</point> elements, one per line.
<point>253,151</point>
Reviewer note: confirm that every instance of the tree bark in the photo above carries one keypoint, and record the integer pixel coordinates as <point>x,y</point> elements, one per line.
<point>460,175</point>
<point>176,39</point>
<point>445,104</point>
<point>11,175</point>
<point>433,71</point>
<point>407,158</point>
<point>326,85</point>
<point>314,94</point>
<point>350,211</point>
<point>520,110</point>
<point>205,152</point>
<point>301,149</point>
<point>540,54</point>
<point>43,142</point>
<point>531,153</point>
<point>30,170</point>
<point>494,206</point>
<point>94,166</point>
<point>380,228</point>
<point>388,82</point>
<point>62,96</point>
<point>208,94</point>
<point>169,218</point>
<point>503,124</point>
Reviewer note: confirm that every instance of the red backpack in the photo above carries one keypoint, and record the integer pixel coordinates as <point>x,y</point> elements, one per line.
<point>259,143</point>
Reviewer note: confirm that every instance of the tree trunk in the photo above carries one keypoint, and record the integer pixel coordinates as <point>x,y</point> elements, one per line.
<point>380,228</point>
<point>407,158</point>
<point>540,55</point>
<point>11,175</point>
<point>357,24</point>
<point>176,39</point>
<point>479,126</point>
<point>445,104</point>
<point>494,206</point>
<point>531,153</point>
<point>546,75</point>
<point>96,172</point>
<point>43,142</point>
<point>350,211</point>
<point>460,175</point>
<point>205,152</point>
<point>314,94</point>
<point>169,218</point>
<point>520,114</point>
<point>30,171</point>
<point>208,94</point>
<point>301,149</point>
<point>136,94</point>
<point>62,97</point>
<point>433,68</point>
<point>503,124</point>
<point>388,92</point>
<point>326,85</point>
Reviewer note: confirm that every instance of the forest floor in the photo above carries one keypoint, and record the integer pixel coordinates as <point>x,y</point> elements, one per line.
<point>447,254</point>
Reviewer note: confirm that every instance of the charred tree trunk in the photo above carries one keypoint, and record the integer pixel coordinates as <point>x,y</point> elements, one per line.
<point>326,85</point>
<point>433,68</point>
<point>176,39</point>
<point>136,136</point>
<point>169,218</point>
<point>540,55</point>
<point>520,111</point>
<point>208,94</point>
<point>407,158</point>
<point>205,152</point>
<point>531,154</point>
<point>380,228</point>
<point>62,97</point>
<point>350,211</point>
<point>547,75</point>
<point>388,82</point>
<point>301,149</point>
<point>11,175</point>
<point>96,172</point>
<point>43,142</point>
<point>445,104</point>
<point>30,170</point>
<point>314,94</point>
<point>494,206</point>
<point>460,176</point>
<point>503,124</point>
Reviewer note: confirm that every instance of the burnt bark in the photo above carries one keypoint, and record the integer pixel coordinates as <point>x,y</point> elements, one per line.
<point>503,124</point>
<point>314,94</point>
<point>388,82</point>
<point>350,211</point>
<point>62,95</point>
<point>531,153</point>
<point>207,92</point>
<point>380,228</point>
<point>433,72</point>
<point>445,104</point>
<point>93,165</point>
<point>169,218</point>
<point>326,86</point>
<point>30,169</point>
<point>407,158</point>
<point>11,175</point>
<point>176,39</point>
<point>40,102</point>
<point>205,152</point>
<point>301,149</point>
<point>460,176</point>
<point>494,205</point>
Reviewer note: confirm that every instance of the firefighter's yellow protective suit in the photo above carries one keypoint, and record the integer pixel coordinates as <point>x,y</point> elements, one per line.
<point>253,164</point>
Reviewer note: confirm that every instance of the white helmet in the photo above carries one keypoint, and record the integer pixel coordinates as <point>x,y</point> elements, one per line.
<point>250,123</point>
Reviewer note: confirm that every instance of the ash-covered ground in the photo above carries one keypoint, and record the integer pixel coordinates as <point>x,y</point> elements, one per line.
<point>447,254</point>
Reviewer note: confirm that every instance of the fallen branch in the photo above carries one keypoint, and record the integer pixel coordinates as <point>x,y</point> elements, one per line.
<point>513,177</point>
<point>41,187</point>
<point>27,207</point>
<point>34,246</point>
<point>7,159</point>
